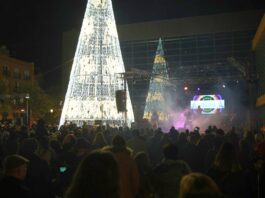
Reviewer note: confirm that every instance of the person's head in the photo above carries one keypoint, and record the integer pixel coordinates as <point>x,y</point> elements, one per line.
<point>119,142</point>
<point>100,139</point>
<point>226,158</point>
<point>197,185</point>
<point>142,161</point>
<point>194,138</point>
<point>96,176</point>
<point>170,152</point>
<point>69,141</point>
<point>15,166</point>
<point>182,138</point>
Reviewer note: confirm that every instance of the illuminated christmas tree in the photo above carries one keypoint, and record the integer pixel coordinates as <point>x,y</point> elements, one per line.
<point>156,102</point>
<point>96,71</point>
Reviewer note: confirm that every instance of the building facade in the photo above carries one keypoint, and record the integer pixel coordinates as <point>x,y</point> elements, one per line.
<point>14,76</point>
<point>258,45</point>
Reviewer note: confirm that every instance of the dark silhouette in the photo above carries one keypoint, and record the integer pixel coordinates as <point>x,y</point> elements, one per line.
<point>197,185</point>
<point>96,176</point>
<point>15,170</point>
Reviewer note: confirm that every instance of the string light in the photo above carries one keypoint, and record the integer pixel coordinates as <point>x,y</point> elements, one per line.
<point>95,74</point>
<point>156,101</point>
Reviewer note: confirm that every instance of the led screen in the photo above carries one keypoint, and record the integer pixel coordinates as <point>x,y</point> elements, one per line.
<point>209,104</point>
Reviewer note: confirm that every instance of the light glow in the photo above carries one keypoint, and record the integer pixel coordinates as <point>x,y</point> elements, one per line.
<point>96,71</point>
<point>208,103</point>
<point>156,97</point>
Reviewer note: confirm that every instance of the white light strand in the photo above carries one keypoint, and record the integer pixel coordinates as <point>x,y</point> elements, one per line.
<point>156,97</point>
<point>95,74</point>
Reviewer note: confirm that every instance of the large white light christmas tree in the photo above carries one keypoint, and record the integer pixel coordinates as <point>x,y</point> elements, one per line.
<point>96,71</point>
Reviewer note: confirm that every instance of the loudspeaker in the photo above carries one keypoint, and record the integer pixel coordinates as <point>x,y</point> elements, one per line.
<point>120,100</point>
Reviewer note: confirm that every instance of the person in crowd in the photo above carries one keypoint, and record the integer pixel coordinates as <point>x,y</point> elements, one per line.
<point>173,135</point>
<point>188,119</point>
<point>137,143</point>
<point>236,166</point>
<point>38,178</point>
<point>57,148</point>
<point>15,171</point>
<point>145,171</point>
<point>96,176</point>
<point>129,176</point>
<point>192,153</point>
<point>232,137</point>
<point>198,185</point>
<point>255,177</point>
<point>167,175</point>
<point>41,129</point>
<point>67,154</point>
<point>205,144</point>
<point>23,132</point>
<point>99,141</point>
<point>227,172</point>
<point>81,148</point>
<point>245,154</point>
<point>181,144</point>
<point>11,143</point>
<point>67,163</point>
<point>44,151</point>
<point>154,119</point>
<point>165,140</point>
<point>211,153</point>
<point>155,148</point>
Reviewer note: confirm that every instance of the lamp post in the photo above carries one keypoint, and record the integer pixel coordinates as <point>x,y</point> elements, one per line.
<point>27,113</point>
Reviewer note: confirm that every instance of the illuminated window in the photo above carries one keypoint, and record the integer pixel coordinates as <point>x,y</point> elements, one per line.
<point>26,75</point>
<point>6,70</point>
<point>16,73</point>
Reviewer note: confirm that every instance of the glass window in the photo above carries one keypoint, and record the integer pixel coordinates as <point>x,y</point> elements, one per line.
<point>5,70</point>
<point>16,73</point>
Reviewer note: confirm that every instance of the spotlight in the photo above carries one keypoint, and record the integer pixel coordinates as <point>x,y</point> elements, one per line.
<point>186,88</point>
<point>198,89</point>
<point>223,86</point>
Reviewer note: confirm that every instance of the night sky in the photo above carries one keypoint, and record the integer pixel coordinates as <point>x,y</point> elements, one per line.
<point>32,29</point>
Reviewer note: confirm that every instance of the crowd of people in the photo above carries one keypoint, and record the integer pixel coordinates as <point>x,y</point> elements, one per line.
<point>106,162</point>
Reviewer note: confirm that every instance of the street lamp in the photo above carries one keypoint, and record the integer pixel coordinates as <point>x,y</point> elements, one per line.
<point>28,113</point>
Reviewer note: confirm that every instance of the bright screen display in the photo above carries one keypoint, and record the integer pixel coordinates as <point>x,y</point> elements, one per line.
<point>209,104</point>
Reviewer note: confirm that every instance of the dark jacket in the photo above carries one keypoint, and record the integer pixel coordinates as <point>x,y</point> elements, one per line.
<point>167,177</point>
<point>12,187</point>
<point>232,184</point>
<point>38,178</point>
